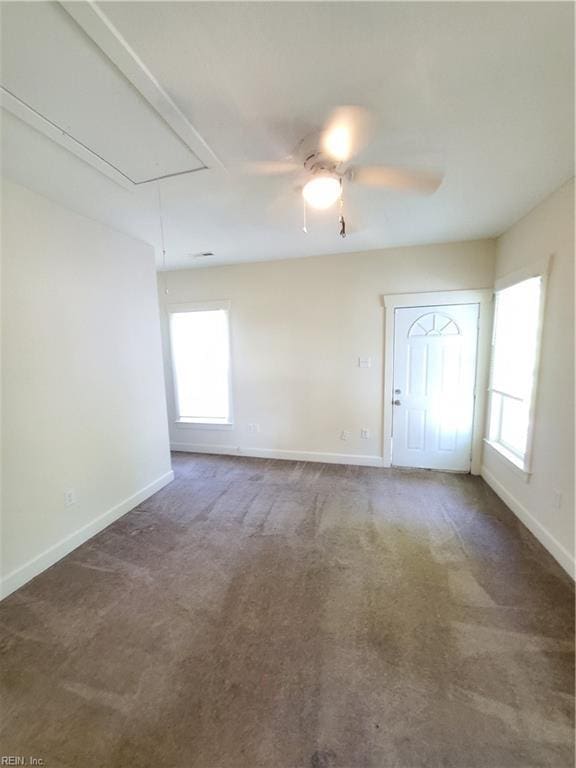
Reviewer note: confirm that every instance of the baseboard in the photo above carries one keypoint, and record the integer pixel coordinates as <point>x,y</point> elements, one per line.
<point>36,565</point>
<point>360,460</point>
<point>557,550</point>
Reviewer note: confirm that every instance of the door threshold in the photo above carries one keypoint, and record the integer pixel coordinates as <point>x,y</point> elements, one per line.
<point>433,469</point>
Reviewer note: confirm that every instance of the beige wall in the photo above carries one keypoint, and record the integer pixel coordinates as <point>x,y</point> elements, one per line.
<point>82,386</point>
<point>548,229</point>
<point>298,329</point>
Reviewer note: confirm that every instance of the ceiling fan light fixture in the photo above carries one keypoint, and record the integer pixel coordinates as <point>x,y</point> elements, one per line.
<point>322,191</point>
<point>337,143</point>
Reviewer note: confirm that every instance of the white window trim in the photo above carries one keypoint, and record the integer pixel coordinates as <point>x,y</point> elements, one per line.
<point>541,269</point>
<point>188,423</point>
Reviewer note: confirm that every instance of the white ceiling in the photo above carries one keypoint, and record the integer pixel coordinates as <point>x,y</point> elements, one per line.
<point>77,89</point>
<point>486,90</point>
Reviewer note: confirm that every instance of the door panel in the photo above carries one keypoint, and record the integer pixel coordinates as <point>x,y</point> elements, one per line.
<point>434,378</point>
<point>415,429</point>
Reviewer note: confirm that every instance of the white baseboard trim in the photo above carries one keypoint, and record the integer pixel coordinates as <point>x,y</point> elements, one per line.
<point>19,576</point>
<point>556,549</point>
<point>360,460</point>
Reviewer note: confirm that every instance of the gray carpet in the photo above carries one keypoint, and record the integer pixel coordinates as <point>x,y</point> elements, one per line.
<point>270,614</point>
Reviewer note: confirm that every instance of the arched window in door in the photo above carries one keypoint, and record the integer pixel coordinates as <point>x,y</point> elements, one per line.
<point>434,324</point>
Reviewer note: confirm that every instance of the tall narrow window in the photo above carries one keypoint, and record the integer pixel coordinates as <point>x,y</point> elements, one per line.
<point>515,345</point>
<point>201,364</point>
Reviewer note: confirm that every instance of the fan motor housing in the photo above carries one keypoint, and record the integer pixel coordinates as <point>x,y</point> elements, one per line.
<point>319,163</point>
<point>312,157</point>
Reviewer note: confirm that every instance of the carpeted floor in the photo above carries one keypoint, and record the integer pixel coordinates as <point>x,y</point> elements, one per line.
<point>271,614</point>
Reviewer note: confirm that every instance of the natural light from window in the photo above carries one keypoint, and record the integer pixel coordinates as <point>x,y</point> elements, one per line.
<point>514,364</point>
<point>201,359</point>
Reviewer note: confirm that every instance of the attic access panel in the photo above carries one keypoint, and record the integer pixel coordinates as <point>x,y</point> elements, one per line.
<point>60,81</point>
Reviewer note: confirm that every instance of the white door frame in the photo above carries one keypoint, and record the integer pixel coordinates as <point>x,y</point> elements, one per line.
<point>483,297</point>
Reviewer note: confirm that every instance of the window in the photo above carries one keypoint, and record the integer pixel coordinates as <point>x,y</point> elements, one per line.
<point>200,342</point>
<point>515,353</point>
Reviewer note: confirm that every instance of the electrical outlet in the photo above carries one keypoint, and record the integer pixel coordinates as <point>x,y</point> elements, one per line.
<point>344,435</point>
<point>253,428</point>
<point>69,497</point>
<point>365,433</point>
<point>364,362</point>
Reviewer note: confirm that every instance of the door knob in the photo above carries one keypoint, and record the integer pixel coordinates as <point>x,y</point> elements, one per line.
<point>397,402</point>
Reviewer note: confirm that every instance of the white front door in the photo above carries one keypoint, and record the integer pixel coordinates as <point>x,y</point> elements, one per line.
<point>434,380</point>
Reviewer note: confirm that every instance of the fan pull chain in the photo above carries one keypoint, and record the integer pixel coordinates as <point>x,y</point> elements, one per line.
<point>341,220</point>
<point>162,239</point>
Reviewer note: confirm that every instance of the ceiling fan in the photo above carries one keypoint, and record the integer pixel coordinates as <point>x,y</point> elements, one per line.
<point>326,158</point>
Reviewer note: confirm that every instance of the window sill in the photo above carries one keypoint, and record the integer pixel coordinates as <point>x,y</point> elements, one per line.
<point>204,424</point>
<point>512,461</point>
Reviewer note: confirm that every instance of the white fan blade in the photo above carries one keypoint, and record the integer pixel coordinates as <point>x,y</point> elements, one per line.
<point>346,132</point>
<point>273,168</point>
<point>424,182</point>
